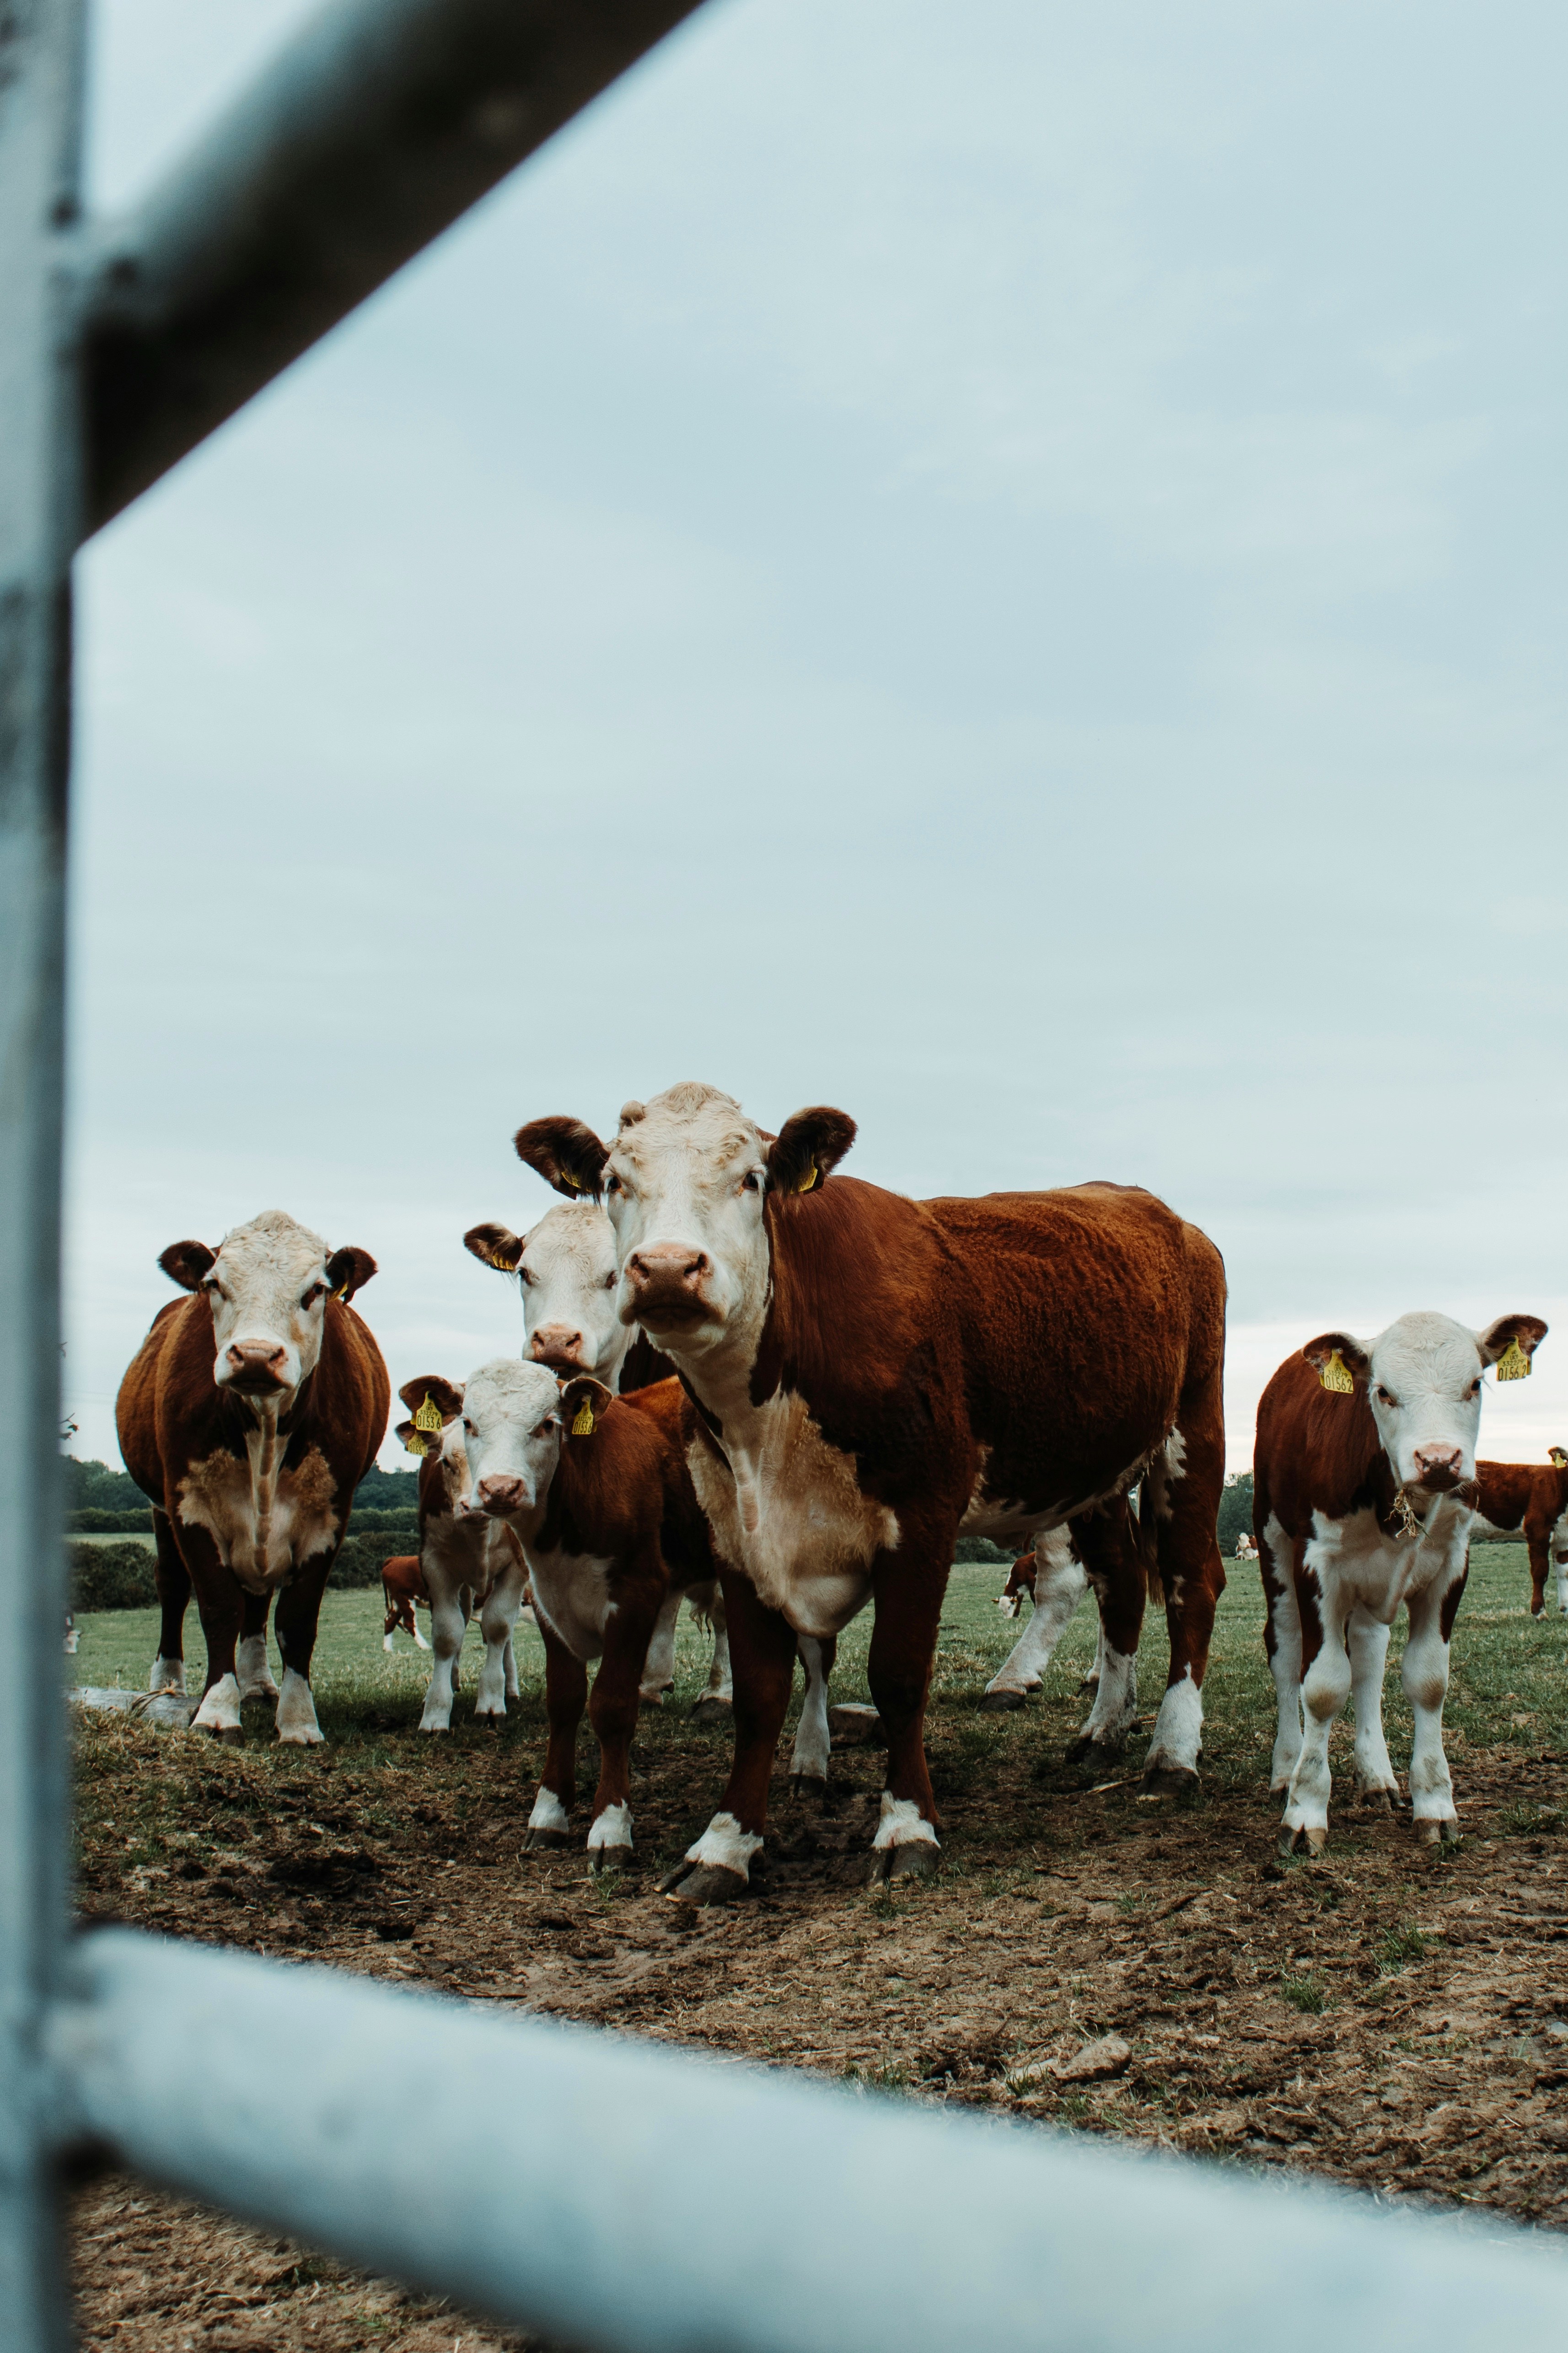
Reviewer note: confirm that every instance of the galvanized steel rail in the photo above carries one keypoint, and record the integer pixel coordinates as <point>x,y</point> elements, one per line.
<point>617,2195</point>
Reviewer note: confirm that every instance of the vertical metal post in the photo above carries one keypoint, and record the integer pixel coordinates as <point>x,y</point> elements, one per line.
<point>40,80</point>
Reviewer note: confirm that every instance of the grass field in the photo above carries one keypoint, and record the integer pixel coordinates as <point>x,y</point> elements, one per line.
<point>1509,1673</point>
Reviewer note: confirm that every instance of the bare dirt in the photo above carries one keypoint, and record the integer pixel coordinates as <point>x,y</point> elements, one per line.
<point>1392,2016</point>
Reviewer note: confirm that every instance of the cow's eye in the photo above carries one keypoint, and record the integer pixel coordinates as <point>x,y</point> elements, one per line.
<point>611,1183</point>
<point>750,1182</point>
<point>611,1281</point>
<point>1475,1387</point>
<point>316,1290</point>
<point>468,1425</point>
<point>524,1277</point>
<point>546,1426</point>
<point>1385,1397</point>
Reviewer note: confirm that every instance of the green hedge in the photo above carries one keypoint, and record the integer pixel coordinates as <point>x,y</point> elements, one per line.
<point>111,1577</point>
<point>92,1522</point>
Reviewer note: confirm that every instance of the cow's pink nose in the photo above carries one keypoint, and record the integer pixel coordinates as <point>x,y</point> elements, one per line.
<point>266,1361</point>
<point>1438,1466</point>
<point>557,1345</point>
<point>666,1263</point>
<point>502,1494</point>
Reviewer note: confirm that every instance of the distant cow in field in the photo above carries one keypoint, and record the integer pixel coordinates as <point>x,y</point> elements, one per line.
<point>593,1489</point>
<point>1532,1496</point>
<point>871,1375</point>
<point>567,1275</point>
<point>1057,1580</point>
<point>1363,1496</point>
<point>402,1587</point>
<point>249,1418</point>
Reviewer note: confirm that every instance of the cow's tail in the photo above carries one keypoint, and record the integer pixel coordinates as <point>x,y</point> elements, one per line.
<point>1146,1534</point>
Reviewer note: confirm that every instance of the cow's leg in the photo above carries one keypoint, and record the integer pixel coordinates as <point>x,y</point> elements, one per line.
<point>1060,1584</point>
<point>1367,1641</point>
<point>812,1742</point>
<point>1089,1681</point>
<point>1424,1672</point>
<point>718,1695</point>
<point>658,1670</point>
<point>1282,1640</point>
<point>1559,1554</point>
<point>1115,1568</point>
<point>619,1689</point>
<point>762,1653</point>
<point>1182,1489</point>
<point>497,1616</point>
<point>250,1659</point>
<point>449,1624</point>
<point>1325,1687</point>
<point>508,1664</point>
<point>909,1591</point>
<point>221,1602</point>
<point>566,1696</point>
<point>172,1579</point>
<point>299,1609</point>
<point>1538,1539</point>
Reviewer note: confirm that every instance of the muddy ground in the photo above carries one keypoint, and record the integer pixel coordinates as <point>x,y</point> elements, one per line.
<point>1392,2016</point>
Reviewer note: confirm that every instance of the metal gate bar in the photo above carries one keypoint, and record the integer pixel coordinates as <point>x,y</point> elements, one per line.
<point>617,2195</point>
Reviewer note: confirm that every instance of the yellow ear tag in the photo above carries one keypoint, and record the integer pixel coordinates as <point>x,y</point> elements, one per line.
<point>567,1178</point>
<point>414,1444</point>
<point>428,1417</point>
<point>1557,1458</point>
<point>342,1294</point>
<point>809,1180</point>
<point>503,1264</point>
<point>1513,1364</point>
<point>584,1425</point>
<point>1335,1375</point>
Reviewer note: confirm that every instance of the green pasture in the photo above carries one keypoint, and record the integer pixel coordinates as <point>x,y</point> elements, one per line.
<point>1509,1686</point>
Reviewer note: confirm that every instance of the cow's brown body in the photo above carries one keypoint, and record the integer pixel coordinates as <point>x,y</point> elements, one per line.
<point>1532,1496</point>
<point>184,1441</point>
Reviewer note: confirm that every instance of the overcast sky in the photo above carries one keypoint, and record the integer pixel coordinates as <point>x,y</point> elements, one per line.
<point>1002,565</point>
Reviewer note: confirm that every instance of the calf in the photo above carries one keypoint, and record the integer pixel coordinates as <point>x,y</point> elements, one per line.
<point>1534,1496</point>
<point>402,1586</point>
<point>1363,1494</point>
<point>593,1489</point>
<point>472,1566</point>
<point>566,1271</point>
<point>871,1374</point>
<point>1055,1576</point>
<point>248,1417</point>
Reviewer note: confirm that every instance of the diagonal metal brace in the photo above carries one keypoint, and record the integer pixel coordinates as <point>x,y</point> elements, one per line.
<point>372,131</point>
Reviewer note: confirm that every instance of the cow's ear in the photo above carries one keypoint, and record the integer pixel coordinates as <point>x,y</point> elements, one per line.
<point>186,1263</point>
<point>433,1389</point>
<point>566,1154</point>
<point>809,1146</point>
<point>1509,1344</point>
<point>1339,1359</point>
<point>349,1270</point>
<point>495,1246</point>
<point>583,1400</point>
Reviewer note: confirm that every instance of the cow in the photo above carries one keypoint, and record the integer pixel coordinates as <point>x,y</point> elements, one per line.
<point>566,1271</point>
<point>870,1375</point>
<point>471,1564</point>
<point>1245,1546</point>
<point>593,1489</point>
<point>1057,1580</point>
<point>1020,1580</point>
<point>403,1586</point>
<point>1534,1496</point>
<point>248,1417</point>
<point>1363,1496</point>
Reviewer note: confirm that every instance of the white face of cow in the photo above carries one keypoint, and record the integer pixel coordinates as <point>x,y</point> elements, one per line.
<point>268,1288</point>
<point>500,1455</point>
<point>684,1185</point>
<point>569,1281</point>
<point>1423,1379</point>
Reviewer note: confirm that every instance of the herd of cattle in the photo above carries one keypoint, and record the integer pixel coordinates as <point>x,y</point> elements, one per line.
<point>778,1393</point>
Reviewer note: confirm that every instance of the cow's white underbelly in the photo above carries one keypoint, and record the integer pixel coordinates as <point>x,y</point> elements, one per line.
<point>1356,1562</point>
<point>1008,1520</point>
<point>263,1547</point>
<point>788,1512</point>
<point>572,1593</point>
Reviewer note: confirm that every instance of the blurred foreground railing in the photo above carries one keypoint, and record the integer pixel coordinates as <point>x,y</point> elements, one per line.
<point>613,2195</point>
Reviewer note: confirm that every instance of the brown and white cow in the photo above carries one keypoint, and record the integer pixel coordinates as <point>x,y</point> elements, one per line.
<point>871,1374</point>
<point>1056,1578</point>
<point>403,1590</point>
<point>567,1275</point>
<point>1532,1496</point>
<point>594,1490</point>
<point>471,1566</point>
<point>1363,1494</point>
<point>248,1417</point>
